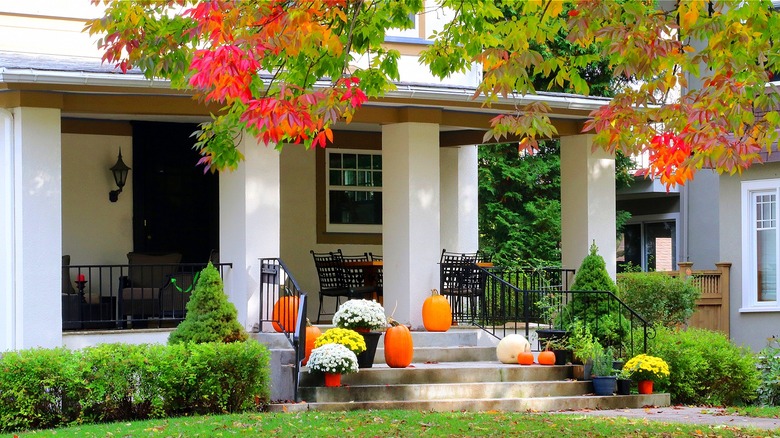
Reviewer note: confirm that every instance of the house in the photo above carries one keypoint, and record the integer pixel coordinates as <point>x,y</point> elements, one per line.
<point>64,118</point>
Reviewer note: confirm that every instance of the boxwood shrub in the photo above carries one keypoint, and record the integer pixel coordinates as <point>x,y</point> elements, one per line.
<point>43,388</point>
<point>659,297</point>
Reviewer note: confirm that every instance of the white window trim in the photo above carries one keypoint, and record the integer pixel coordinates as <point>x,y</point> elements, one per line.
<point>750,301</point>
<point>348,228</point>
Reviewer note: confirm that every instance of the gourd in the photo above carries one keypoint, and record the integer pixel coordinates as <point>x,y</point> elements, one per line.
<point>312,333</point>
<point>509,347</point>
<point>399,346</point>
<point>286,312</point>
<point>525,358</point>
<point>436,313</point>
<point>546,357</point>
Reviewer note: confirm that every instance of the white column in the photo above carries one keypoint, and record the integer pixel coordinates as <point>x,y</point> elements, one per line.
<point>410,215</point>
<point>31,219</point>
<point>587,202</point>
<point>249,208</point>
<point>459,208</point>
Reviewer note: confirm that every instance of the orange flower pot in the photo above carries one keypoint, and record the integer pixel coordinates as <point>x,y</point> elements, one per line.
<point>645,386</point>
<point>332,380</point>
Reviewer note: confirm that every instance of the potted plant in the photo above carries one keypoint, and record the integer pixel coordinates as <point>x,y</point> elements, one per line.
<point>550,306</point>
<point>333,360</point>
<point>603,374</point>
<point>583,345</point>
<point>623,382</point>
<point>363,316</point>
<point>645,369</point>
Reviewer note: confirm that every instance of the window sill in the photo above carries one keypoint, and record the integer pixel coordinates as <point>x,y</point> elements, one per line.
<point>767,309</point>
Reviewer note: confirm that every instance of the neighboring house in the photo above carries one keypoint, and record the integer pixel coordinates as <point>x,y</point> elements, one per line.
<point>64,117</point>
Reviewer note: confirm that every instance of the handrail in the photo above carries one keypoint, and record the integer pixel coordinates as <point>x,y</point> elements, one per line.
<point>509,308</point>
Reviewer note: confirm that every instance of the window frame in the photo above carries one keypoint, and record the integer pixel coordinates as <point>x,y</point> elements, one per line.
<point>748,192</point>
<point>349,228</point>
<point>647,219</point>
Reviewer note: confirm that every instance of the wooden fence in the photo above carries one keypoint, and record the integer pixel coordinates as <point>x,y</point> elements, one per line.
<point>712,308</point>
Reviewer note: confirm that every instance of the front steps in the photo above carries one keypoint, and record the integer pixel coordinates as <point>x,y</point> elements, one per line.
<point>458,371</point>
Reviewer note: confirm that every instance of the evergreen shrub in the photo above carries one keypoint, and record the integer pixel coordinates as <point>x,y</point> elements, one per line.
<point>658,297</point>
<point>706,368</point>
<point>210,316</point>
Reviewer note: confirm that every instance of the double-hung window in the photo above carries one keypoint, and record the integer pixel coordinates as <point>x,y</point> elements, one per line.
<point>760,245</point>
<point>354,191</point>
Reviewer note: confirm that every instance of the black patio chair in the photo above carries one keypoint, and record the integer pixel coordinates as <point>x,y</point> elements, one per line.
<point>334,282</point>
<point>463,283</point>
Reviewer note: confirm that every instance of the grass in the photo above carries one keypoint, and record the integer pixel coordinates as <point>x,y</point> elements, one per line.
<point>756,411</point>
<point>394,423</point>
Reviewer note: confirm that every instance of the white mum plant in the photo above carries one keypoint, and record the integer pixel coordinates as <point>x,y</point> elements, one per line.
<point>333,358</point>
<point>360,314</point>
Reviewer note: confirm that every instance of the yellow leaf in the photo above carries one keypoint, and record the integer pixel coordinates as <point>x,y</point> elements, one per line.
<point>689,18</point>
<point>554,8</point>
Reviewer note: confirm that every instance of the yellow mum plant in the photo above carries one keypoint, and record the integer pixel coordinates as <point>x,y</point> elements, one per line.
<point>646,367</point>
<point>346,337</point>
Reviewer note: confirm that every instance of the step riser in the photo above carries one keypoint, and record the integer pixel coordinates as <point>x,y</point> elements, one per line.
<point>444,354</point>
<point>453,374</point>
<point>474,391</point>
<point>541,404</point>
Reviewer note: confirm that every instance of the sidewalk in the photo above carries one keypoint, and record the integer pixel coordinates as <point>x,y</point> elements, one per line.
<point>685,414</point>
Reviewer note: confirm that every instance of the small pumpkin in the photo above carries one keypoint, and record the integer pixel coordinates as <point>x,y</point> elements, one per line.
<point>546,357</point>
<point>399,346</point>
<point>525,358</point>
<point>436,313</point>
<point>312,333</point>
<point>286,313</point>
<point>510,346</point>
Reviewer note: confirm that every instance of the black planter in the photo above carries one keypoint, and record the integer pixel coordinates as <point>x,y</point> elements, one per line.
<point>366,358</point>
<point>624,386</point>
<point>551,335</point>
<point>604,385</point>
<point>562,357</point>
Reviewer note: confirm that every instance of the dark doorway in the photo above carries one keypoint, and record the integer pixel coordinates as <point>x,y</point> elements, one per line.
<point>175,205</point>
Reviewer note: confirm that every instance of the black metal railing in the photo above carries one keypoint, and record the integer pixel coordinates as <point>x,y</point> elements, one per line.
<point>283,305</point>
<point>527,301</point>
<point>128,296</point>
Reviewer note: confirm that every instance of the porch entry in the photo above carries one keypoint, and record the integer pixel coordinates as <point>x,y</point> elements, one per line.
<point>175,205</point>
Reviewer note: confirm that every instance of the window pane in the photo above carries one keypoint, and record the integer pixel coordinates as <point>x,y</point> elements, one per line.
<point>377,162</point>
<point>767,265</point>
<point>335,178</point>
<point>355,207</point>
<point>364,161</point>
<point>377,179</point>
<point>660,246</point>
<point>335,161</point>
<point>350,178</point>
<point>350,161</point>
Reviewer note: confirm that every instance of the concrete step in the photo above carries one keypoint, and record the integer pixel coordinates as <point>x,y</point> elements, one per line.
<point>529,404</point>
<point>445,354</point>
<point>446,391</point>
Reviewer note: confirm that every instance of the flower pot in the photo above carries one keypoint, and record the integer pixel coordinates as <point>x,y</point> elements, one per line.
<point>551,335</point>
<point>562,357</point>
<point>332,380</point>
<point>604,385</point>
<point>366,358</point>
<point>624,386</point>
<point>645,386</point>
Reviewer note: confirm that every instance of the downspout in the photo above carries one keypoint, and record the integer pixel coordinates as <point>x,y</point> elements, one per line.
<point>8,237</point>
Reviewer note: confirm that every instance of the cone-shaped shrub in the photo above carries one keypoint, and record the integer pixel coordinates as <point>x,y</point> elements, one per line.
<point>210,316</point>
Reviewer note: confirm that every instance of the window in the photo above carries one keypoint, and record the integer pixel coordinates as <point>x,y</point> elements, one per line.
<point>354,191</point>
<point>760,245</point>
<point>650,244</point>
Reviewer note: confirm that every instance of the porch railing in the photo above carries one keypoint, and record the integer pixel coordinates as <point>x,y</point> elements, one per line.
<point>128,296</point>
<point>289,316</point>
<point>529,301</point>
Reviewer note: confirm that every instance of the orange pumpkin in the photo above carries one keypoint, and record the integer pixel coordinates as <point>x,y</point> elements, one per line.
<point>525,358</point>
<point>286,313</point>
<point>399,347</point>
<point>546,357</point>
<point>312,333</point>
<point>436,313</point>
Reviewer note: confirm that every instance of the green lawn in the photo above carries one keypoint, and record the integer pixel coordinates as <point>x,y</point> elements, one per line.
<point>393,423</point>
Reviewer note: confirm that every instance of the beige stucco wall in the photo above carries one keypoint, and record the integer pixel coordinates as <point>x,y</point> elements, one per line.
<point>95,230</point>
<point>750,329</point>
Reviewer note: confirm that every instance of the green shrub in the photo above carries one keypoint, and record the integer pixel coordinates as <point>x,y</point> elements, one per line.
<point>659,297</point>
<point>706,368</point>
<point>42,388</point>
<point>39,388</point>
<point>769,369</point>
<point>210,316</point>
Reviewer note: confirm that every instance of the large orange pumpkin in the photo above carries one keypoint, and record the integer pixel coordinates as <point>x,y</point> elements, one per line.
<point>436,313</point>
<point>286,312</point>
<point>399,347</point>
<point>312,333</point>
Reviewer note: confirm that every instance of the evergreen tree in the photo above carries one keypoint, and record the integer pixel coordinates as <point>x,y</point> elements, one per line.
<point>210,316</point>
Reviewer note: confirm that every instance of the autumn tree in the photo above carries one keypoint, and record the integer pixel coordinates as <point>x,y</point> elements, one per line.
<point>286,70</point>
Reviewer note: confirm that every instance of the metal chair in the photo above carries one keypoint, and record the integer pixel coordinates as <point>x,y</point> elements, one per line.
<point>463,283</point>
<point>333,281</point>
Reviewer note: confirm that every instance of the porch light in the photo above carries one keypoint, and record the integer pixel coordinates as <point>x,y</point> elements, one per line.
<point>120,171</point>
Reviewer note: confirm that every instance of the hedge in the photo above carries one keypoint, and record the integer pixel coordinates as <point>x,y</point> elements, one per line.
<point>45,388</point>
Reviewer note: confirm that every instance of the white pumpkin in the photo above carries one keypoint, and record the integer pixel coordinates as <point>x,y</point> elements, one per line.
<point>509,347</point>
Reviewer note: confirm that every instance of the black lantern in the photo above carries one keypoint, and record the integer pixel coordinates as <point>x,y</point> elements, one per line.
<point>120,171</point>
